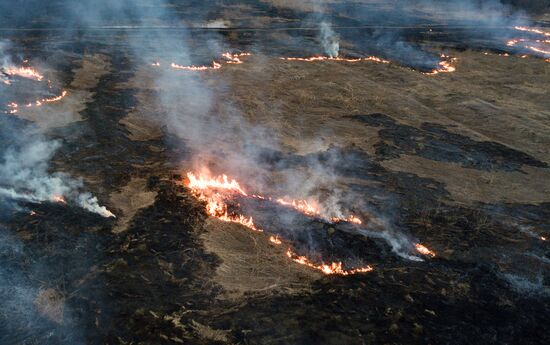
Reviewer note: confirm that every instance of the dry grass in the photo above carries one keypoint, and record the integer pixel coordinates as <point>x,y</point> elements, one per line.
<point>129,200</point>
<point>483,100</point>
<point>251,263</point>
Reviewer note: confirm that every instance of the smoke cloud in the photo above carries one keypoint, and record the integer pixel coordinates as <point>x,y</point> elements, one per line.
<point>24,165</point>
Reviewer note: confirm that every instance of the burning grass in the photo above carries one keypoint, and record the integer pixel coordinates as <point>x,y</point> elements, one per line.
<point>220,194</point>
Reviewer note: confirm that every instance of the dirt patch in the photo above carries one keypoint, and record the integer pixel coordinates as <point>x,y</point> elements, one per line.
<point>132,197</point>
<point>251,263</point>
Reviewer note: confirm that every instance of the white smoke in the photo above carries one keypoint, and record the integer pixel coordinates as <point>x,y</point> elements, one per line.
<point>24,175</point>
<point>89,202</point>
<point>330,40</point>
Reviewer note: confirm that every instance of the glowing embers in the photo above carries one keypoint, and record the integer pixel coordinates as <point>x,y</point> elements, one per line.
<point>328,58</point>
<point>424,250</point>
<point>14,107</point>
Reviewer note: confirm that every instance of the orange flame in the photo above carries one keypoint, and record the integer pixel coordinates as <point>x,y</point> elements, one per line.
<point>37,103</point>
<point>58,198</point>
<point>445,66</point>
<point>349,219</point>
<point>538,50</point>
<point>215,65</point>
<point>302,206</point>
<point>234,58</point>
<point>209,190</point>
<point>328,58</point>
<point>532,30</point>
<point>424,250</point>
<point>24,72</point>
<point>275,240</point>
<point>202,182</point>
<point>215,191</point>
<point>332,268</point>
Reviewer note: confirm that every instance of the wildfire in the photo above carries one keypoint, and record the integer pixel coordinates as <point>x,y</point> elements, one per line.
<point>302,206</point>
<point>424,250</point>
<point>210,191</point>
<point>445,66</point>
<point>349,219</point>
<point>59,199</point>
<point>534,45</point>
<point>332,268</point>
<point>538,50</point>
<point>215,65</point>
<point>217,191</point>
<point>203,182</point>
<point>230,58</point>
<point>234,58</point>
<point>275,240</point>
<point>24,72</point>
<point>532,30</point>
<point>14,106</point>
<point>328,58</point>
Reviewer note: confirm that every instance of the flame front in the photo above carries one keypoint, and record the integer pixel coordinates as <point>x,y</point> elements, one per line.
<point>59,199</point>
<point>217,191</point>
<point>14,107</point>
<point>532,30</point>
<point>328,58</point>
<point>424,250</point>
<point>214,192</point>
<point>538,46</point>
<point>215,65</point>
<point>24,72</point>
<point>332,268</point>
<point>275,240</point>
